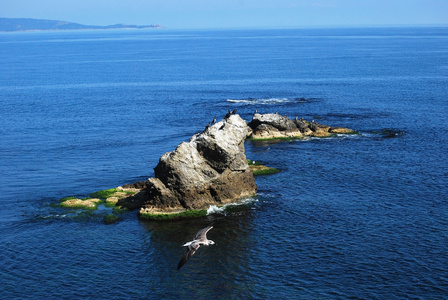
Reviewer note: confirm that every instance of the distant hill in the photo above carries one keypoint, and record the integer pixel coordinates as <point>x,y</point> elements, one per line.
<point>24,24</point>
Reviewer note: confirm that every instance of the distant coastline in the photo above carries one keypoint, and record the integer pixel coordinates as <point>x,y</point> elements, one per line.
<point>27,24</point>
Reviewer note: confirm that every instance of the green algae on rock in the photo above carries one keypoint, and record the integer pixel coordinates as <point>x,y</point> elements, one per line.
<point>259,169</point>
<point>177,215</point>
<point>110,219</point>
<point>103,194</point>
<point>109,197</point>
<point>86,203</point>
<point>115,192</point>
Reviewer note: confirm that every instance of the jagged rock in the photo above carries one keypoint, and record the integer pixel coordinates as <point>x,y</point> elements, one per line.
<point>275,126</point>
<point>270,126</point>
<point>301,124</point>
<point>137,185</point>
<point>282,123</point>
<point>210,169</point>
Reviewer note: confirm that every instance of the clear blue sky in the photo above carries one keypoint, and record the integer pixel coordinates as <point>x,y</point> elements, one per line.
<point>190,14</point>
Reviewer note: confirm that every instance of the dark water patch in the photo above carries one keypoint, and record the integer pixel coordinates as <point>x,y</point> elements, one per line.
<point>388,132</point>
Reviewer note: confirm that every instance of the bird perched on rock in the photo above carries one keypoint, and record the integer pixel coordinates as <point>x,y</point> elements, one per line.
<point>214,120</point>
<point>234,112</point>
<point>199,239</point>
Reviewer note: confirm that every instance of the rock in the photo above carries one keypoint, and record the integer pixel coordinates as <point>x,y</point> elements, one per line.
<point>275,126</point>
<point>265,131</point>
<point>282,123</point>
<point>112,201</point>
<point>134,186</point>
<point>341,130</point>
<point>90,203</point>
<point>272,126</point>
<point>301,124</point>
<point>318,127</point>
<point>259,169</point>
<point>136,200</point>
<point>210,169</point>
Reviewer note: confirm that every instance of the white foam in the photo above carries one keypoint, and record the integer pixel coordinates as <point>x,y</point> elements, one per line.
<point>238,101</point>
<point>56,216</point>
<point>214,209</point>
<point>261,100</point>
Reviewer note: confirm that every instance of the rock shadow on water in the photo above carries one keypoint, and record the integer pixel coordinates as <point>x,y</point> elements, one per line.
<point>222,269</point>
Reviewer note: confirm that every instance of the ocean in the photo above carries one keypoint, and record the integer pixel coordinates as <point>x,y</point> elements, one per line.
<point>348,217</point>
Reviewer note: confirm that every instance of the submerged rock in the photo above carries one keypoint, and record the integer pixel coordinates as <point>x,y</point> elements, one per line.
<point>275,126</point>
<point>210,169</point>
<point>259,169</point>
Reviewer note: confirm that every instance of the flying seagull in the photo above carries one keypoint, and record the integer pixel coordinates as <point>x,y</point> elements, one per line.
<point>199,239</point>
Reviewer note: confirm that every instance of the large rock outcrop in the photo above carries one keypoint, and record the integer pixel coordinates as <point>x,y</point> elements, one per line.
<point>210,169</point>
<point>275,126</point>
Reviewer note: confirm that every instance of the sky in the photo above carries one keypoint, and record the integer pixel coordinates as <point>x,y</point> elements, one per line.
<point>215,14</point>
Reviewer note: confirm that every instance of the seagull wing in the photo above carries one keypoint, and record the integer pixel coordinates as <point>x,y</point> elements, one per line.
<point>202,234</point>
<point>191,249</point>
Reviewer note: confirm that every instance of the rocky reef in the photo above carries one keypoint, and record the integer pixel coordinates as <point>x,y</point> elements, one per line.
<point>210,169</point>
<point>275,126</point>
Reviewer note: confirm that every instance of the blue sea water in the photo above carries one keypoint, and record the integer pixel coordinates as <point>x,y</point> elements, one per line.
<point>349,217</point>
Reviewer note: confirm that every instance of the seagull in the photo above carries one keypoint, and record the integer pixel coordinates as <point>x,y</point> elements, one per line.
<point>199,239</point>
